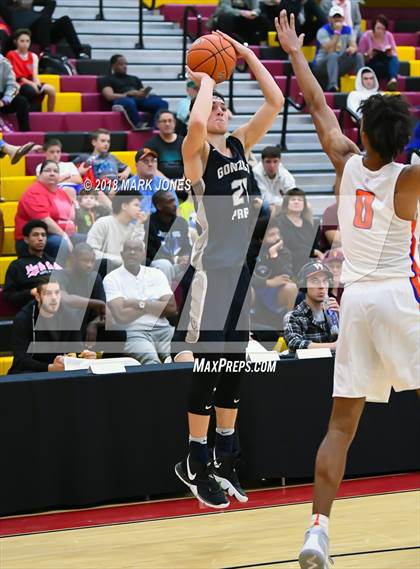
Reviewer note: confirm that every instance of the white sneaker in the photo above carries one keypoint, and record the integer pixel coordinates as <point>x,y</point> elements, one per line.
<point>314,554</point>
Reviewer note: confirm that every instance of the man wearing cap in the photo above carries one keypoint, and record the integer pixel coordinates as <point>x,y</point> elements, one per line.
<point>148,181</point>
<point>336,51</point>
<point>309,325</point>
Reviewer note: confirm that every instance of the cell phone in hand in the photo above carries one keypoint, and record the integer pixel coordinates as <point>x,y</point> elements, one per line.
<point>146,91</point>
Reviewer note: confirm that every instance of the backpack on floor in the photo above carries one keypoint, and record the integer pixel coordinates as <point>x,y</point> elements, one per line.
<point>55,65</point>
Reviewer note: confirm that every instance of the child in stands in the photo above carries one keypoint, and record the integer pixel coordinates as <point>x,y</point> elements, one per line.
<point>25,67</point>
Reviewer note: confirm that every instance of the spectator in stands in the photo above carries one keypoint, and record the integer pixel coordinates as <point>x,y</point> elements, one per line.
<point>167,145</point>
<point>273,179</point>
<point>296,228</point>
<point>329,233</point>
<point>45,200</point>
<point>183,108</point>
<point>308,15</point>
<point>127,94</point>
<point>334,259</point>
<point>10,99</point>
<point>89,210</point>
<point>380,51</point>
<point>336,52</point>
<point>70,178</point>
<point>20,14</point>
<point>25,272</point>
<point>25,67</point>
<point>273,271</point>
<point>44,330</point>
<point>82,288</point>
<point>101,165</point>
<point>147,181</point>
<point>308,326</point>
<point>351,10</point>
<point>108,234</point>
<point>168,238</point>
<point>15,153</point>
<point>140,300</point>
<point>413,147</point>
<point>367,85</point>
<point>242,20</point>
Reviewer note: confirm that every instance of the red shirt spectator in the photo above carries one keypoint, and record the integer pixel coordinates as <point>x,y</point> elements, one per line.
<point>23,68</point>
<point>45,200</point>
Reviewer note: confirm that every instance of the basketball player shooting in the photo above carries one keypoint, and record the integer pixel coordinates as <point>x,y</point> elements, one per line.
<point>218,320</point>
<point>379,341</point>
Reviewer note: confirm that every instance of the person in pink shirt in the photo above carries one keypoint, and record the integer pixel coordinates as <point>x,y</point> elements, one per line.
<point>379,49</point>
<point>45,200</point>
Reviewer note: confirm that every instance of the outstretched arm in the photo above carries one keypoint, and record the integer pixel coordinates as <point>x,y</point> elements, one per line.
<point>257,127</point>
<point>338,147</point>
<point>194,145</point>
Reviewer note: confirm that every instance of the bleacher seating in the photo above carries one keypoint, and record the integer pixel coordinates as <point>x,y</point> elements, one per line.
<point>81,109</point>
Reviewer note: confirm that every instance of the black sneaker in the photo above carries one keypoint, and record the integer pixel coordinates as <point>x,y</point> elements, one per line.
<point>223,470</point>
<point>201,483</point>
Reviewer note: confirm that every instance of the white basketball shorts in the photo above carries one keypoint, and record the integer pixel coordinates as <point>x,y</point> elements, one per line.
<point>379,340</point>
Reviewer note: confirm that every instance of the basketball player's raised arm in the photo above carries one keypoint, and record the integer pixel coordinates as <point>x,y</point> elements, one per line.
<point>338,147</point>
<point>251,132</point>
<point>195,143</point>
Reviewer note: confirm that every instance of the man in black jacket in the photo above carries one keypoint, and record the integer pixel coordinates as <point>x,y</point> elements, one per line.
<point>44,330</point>
<point>26,272</point>
<point>168,235</point>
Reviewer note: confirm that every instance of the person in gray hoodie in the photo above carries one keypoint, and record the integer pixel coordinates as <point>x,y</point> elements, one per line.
<point>10,100</point>
<point>367,85</point>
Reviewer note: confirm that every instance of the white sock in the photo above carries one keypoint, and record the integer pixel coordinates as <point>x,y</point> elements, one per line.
<point>321,521</point>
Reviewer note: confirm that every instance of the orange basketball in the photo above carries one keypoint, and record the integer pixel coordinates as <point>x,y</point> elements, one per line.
<point>213,55</point>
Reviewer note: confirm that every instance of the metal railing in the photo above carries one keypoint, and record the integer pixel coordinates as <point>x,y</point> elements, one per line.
<point>186,34</point>
<point>288,101</point>
<point>100,14</point>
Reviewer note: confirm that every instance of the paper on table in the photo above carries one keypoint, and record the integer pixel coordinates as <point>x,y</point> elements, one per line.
<point>105,365</point>
<point>315,353</point>
<point>257,353</point>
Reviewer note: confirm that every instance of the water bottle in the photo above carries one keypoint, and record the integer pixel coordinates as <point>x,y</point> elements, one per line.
<point>332,317</point>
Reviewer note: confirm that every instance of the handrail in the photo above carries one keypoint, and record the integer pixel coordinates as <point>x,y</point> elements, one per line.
<point>100,14</point>
<point>288,101</point>
<point>352,114</point>
<point>140,42</point>
<point>198,18</point>
<point>231,105</point>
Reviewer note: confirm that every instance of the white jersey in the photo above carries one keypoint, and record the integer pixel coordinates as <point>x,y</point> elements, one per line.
<point>376,243</point>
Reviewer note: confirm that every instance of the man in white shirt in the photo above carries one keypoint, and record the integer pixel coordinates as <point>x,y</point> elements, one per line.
<point>140,300</point>
<point>108,234</point>
<point>70,177</point>
<point>273,179</point>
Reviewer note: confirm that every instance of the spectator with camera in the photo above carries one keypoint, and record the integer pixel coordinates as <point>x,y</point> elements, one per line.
<point>313,323</point>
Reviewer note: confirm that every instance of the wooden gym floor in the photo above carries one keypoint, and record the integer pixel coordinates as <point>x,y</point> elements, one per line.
<point>375,525</point>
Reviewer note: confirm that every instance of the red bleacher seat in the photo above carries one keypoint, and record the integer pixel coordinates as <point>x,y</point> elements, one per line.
<point>407,38</point>
<point>79,83</point>
<point>136,140</point>
<point>94,102</point>
<point>175,13</point>
<point>19,138</point>
<point>5,309</point>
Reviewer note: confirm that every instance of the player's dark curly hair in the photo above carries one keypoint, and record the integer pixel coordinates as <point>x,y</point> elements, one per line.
<point>387,123</point>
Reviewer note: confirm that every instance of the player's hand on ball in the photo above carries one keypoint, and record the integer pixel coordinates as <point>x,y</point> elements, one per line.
<point>198,76</point>
<point>241,50</point>
<point>286,32</point>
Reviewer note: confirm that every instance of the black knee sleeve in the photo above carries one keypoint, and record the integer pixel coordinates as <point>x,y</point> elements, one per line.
<point>202,391</point>
<point>228,390</point>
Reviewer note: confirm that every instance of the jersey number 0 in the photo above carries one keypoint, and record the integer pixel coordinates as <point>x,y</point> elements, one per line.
<point>363,215</point>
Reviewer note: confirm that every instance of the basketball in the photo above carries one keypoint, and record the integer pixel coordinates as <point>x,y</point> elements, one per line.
<point>213,55</point>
